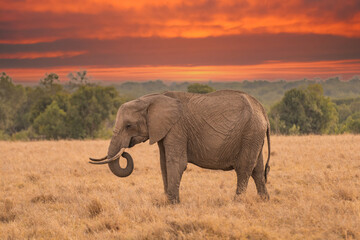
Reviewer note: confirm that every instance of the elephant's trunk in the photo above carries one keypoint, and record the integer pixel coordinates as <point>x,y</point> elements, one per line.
<point>118,170</point>
<point>112,160</point>
<point>114,153</point>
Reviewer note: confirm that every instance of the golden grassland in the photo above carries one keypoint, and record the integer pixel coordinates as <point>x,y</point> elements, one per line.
<point>49,191</point>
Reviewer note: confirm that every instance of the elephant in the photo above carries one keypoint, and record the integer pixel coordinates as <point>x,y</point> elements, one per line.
<point>222,130</point>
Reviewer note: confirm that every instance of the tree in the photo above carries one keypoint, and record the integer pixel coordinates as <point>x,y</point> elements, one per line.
<point>50,111</point>
<point>49,80</point>
<point>352,124</point>
<point>43,95</point>
<point>77,79</point>
<point>89,107</point>
<point>51,123</point>
<point>200,88</point>
<point>304,110</point>
<point>11,99</point>
<point>344,112</point>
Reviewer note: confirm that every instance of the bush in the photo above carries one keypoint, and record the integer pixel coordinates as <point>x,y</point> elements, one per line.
<point>352,124</point>
<point>294,130</point>
<point>11,99</point>
<point>90,107</point>
<point>200,88</point>
<point>304,111</point>
<point>21,136</point>
<point>4,136</point>
<point>51,123</point>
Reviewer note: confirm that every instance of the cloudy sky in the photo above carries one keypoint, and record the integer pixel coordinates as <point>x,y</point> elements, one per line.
<point>180,40</point>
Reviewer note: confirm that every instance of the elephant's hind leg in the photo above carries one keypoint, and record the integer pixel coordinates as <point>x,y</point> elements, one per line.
<point>245,165</point>
<point>258,176</point>
<point>243,169</point>
<point>242,181</point>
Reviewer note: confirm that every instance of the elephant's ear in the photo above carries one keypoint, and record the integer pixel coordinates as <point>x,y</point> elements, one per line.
<point>163,112</point>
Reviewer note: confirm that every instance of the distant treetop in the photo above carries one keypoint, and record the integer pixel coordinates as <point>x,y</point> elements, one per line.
<point>200,88</point>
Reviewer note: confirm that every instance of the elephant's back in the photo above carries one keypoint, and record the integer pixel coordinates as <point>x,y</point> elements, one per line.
<point>242,101</point>
<point>224,101</point>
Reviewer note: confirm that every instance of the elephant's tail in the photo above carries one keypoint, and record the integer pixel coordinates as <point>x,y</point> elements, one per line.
<point>267,167</point>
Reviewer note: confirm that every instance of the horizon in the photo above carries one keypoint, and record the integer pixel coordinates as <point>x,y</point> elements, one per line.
<point>169,82</point>
<point>180,41</point>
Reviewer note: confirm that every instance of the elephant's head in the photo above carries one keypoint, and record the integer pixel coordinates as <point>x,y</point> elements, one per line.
<point>149,117</point>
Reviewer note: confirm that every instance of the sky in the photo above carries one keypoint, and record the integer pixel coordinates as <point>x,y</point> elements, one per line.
<point>178,40</point>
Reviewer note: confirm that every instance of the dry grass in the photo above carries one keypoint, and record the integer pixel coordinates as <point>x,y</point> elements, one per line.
<point>49,191</point>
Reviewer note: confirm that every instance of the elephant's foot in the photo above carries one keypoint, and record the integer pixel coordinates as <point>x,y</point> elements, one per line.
<point>262,192</point>
<point>264,196</point>
<point>239,197</point>
<point>173,199</point>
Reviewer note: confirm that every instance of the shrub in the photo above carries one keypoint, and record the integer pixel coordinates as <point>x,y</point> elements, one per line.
<point>304,111</point>
<point>200,88</point>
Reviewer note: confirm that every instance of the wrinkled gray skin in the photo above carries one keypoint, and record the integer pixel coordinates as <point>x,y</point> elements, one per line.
<point>223,130</point>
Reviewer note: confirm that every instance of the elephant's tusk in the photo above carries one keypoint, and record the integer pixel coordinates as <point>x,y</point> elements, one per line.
<point>103,162</point>
<point>108,160</point>
<point>96,160</point>
<point>117,155</point>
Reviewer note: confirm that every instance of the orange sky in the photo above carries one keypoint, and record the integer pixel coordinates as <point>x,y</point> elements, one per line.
<point>180,40</point>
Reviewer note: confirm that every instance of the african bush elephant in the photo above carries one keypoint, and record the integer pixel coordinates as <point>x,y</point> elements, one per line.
<point>223,130</point>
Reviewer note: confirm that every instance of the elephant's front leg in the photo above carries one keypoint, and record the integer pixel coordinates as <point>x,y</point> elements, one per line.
<point>176,162</point>
<point>163,165</point>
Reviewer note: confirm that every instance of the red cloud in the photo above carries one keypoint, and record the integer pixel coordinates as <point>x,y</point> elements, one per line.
<point>34,55</point>
<point>119,34</point>
<point>45,20</point>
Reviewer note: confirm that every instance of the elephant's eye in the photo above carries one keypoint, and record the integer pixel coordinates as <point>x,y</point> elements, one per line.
<point>128,126</point>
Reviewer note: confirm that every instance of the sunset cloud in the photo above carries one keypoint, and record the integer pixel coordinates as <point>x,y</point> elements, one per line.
<point>112,19</point>
<point>210,51</point>
<point>121,34</point>
<point>34,55</point>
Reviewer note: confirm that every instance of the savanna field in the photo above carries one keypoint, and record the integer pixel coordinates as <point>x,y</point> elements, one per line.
<point>49,191</point>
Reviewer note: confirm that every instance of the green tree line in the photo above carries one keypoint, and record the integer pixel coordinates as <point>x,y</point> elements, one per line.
<point>268,93</point>
<point>80,109</point>
<point>52,111</point>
